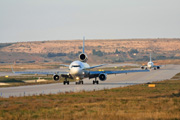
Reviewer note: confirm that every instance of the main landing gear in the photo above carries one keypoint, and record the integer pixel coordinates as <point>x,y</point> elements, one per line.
<point>79,82</point>
<point>66,82</point>
<point>95,81</point>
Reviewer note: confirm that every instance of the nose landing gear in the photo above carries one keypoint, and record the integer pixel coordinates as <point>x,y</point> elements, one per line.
<point>79,82</point>
<point>95,81</point>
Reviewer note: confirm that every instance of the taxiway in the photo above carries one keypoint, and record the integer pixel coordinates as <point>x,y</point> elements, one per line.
<point>112,81</point>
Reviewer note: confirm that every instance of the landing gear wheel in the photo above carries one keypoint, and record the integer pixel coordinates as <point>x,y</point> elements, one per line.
<point>66,82</point>
<point>95,82</point>
<point>154,68</point>
<point>79,82</point>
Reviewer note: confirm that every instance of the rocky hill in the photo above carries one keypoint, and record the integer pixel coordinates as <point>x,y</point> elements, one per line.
<point>109,48</point>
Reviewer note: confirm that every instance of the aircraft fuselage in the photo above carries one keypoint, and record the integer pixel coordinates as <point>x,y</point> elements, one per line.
<point>150,64</point>
<point>77,70</point>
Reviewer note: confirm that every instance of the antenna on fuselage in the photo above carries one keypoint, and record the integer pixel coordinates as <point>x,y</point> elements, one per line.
<point>83,43</point>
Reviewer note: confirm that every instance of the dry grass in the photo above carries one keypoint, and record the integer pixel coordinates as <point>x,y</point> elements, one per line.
<point>37,51</point>
<point>164,62</point>
<point>105,45</point>
<point>132,102</point>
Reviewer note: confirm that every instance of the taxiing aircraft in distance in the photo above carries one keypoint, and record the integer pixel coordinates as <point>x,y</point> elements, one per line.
<point>150,65</point>
<point>79,70</point>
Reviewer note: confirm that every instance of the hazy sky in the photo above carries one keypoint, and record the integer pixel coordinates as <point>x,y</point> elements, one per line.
<point>30,20</point>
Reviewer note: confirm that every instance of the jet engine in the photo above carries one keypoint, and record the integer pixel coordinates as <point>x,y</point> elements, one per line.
<point>102,77</point>
<point>56,77</point>
<point>142,67</point>
<point>83,57</point>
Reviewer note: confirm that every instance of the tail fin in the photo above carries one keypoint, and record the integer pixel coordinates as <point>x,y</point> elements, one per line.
<point>83,57</point>
<point>83,43</point>
<point>12,69</point>
<point>150,58</point>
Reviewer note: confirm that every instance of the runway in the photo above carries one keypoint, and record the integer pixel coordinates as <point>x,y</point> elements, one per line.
<point>112,81</point>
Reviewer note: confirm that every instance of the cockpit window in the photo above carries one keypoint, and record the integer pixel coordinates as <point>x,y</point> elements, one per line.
<point>76,66</point>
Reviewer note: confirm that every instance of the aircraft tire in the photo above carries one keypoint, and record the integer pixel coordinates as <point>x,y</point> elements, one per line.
<point>64,82</point>
<point>93,82</point>
<point>97,82</point>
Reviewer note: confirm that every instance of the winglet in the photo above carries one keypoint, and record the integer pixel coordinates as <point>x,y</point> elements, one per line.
<point>83,44</point>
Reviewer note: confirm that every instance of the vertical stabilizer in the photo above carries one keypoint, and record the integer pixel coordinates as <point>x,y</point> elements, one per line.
<point>83,57</point>
<point>83,43</point>
<point>150,58</point>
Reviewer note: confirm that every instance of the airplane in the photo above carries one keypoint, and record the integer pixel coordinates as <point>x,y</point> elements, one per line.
<point>150,65</point>
<point>79,70</point>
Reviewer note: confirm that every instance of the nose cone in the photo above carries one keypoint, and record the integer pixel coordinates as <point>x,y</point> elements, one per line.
<point>75,71</point>
<point>149,66</point>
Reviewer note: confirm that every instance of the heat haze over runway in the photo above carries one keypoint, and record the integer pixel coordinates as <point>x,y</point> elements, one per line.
<point>112,81</point>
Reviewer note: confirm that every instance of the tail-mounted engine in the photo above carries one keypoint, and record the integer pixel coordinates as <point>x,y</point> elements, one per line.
<point>102,77</point>
<point>83,57</point>
<point>56,77</point>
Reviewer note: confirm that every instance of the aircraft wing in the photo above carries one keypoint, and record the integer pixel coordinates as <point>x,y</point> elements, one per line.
<point>64,65</point>
<point>157,66</point>
<point>38,72</point>
<point>95,66</point>
<point>96,73</point>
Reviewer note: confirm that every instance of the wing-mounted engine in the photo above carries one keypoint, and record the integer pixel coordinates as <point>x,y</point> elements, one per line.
<point>83,57</point>
<point>142,67</point>
<point>56,77</point>
<point>158,67</point>
<point>102,77</point>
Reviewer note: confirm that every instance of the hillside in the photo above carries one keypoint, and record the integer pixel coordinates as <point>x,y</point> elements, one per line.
<point>60,50</point>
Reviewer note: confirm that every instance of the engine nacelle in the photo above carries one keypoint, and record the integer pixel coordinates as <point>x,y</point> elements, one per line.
<point>56,77</point>
<point>158,67</point>
<point>142,67</point>
<point>83,57</point>
<point>102,77</point>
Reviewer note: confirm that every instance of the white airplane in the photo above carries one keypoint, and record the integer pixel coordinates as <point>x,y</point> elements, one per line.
<point>79,70</point>
<point>150,65</point>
